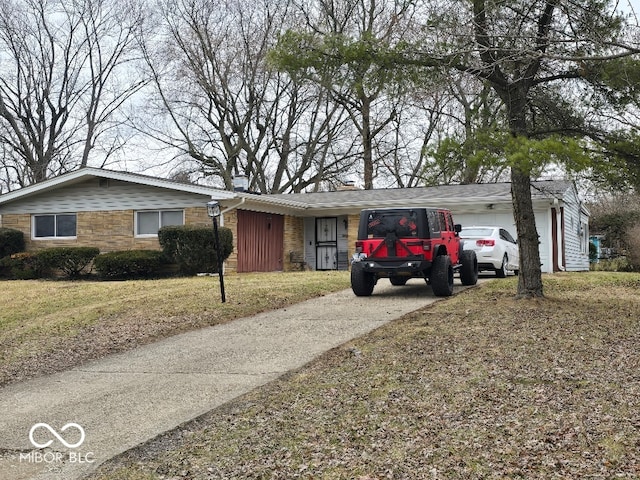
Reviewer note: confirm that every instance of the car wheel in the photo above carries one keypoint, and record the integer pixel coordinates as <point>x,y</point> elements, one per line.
<point>398,281</point>
<point>469,268</point>
<point>442,276</point>
<point>362,282</point>
<point>502,271</point>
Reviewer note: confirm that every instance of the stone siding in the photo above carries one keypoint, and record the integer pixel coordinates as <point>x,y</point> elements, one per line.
<point>114,231</point>
<point>108,230</point>
<point>352,234</point>
<point>293,241</point>
<point>231,221</point>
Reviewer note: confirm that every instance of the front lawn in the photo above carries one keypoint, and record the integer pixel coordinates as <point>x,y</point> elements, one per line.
<point>47,326</point>
<point>480,386</point>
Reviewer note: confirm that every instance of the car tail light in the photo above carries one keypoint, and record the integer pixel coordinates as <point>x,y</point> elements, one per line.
<point>485,242</point>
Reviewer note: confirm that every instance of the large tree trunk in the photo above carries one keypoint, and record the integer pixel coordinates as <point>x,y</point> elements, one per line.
<point>530,279</point>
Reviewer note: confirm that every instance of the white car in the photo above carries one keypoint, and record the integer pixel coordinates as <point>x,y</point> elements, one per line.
<point>495,248</point>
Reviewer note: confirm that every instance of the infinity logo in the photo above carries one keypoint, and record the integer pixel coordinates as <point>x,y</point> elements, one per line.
<point>55,434</point>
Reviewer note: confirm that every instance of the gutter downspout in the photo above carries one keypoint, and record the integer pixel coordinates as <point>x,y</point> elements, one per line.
<point>232,207</point>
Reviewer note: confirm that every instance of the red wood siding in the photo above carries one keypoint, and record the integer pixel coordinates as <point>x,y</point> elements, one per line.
<point>260,241</point>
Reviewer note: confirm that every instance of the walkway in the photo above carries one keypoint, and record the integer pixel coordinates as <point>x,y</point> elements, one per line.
<point>126,399</point>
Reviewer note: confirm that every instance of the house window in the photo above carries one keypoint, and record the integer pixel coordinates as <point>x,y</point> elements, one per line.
<point>61,225</point>
<point>149,222</point>
<point>584,238</point>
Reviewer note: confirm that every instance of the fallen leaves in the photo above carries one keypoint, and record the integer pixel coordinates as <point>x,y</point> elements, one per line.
<point>477,387</point>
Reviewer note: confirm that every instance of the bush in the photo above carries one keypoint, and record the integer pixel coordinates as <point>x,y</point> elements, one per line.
<point>632,241</point>
<point>618,264</point>
<point>129,264</point>
<point>71,261</point>
<point>11,241</point>
<point>194,248</point>
<point>21,266</point>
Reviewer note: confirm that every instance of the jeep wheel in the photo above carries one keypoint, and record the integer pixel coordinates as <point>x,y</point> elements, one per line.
<point>398,281</point>
<point>362,282</point>
<point>502,271</point>
<point>469,268</point>
<point>442,276</point>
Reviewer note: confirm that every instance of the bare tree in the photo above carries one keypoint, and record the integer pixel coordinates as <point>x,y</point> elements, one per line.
<point>232,115</point>
<point>336,50</point>
<point>66,69</point>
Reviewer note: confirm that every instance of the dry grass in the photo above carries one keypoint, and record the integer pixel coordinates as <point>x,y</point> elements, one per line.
<point>47,326</point>
<point>479,386</point>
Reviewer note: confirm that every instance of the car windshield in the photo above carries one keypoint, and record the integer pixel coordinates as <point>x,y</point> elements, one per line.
<point>476,232</point>
<point>379,224</point>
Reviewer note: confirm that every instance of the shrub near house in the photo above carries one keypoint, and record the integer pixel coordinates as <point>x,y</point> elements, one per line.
<point>11,241</point>
<point>193,248</point>
<point>129,264</point>
<point>70,262</point>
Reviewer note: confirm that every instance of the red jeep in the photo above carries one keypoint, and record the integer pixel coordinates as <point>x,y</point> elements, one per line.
<point>402,243</point>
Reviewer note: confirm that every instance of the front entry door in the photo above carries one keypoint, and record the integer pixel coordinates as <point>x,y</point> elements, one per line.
<point>327,243</point>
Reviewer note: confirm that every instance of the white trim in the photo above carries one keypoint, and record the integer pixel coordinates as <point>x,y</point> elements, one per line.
<point>88,172</point>
<point>33,226</point>
<point>159,211</point>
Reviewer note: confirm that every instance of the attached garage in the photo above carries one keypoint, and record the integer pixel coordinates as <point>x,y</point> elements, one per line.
<point>561,219</point>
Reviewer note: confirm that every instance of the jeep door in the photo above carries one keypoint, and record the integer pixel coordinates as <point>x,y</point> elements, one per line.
<point>449,236</point>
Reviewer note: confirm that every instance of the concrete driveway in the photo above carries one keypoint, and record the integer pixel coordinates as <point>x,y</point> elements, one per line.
<point>121,401</point>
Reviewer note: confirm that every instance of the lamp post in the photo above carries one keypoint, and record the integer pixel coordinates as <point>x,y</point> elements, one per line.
<point>213,209</point>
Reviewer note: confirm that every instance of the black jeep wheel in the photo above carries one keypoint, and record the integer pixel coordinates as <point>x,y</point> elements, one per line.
<point>398,281</point>
<point>469,268</point>
<point>442,276</point>
<point>362,282</point>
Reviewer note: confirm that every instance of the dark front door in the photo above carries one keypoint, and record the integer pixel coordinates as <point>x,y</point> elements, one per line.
<point>260,241</point>
<point>327,243</point>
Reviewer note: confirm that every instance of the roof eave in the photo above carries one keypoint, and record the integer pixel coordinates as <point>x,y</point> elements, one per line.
<point>89,172</point>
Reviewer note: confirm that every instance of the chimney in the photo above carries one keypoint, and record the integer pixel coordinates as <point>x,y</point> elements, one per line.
<point>240,183</point>
<point>347,185</point>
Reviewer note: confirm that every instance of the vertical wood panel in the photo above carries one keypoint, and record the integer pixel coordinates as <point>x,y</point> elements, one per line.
<point>260,241</point>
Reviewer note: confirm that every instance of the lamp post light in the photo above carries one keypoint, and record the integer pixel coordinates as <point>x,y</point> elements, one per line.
<point>213,209</point>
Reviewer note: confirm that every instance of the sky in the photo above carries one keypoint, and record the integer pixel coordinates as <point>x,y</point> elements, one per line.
<point>630,6</point>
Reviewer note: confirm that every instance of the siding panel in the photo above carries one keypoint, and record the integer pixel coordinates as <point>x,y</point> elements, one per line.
<point>97,195</point>
<point>575,222</point>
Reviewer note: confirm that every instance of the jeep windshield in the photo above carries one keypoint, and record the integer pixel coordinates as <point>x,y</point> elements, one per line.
<point>402,223</point>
